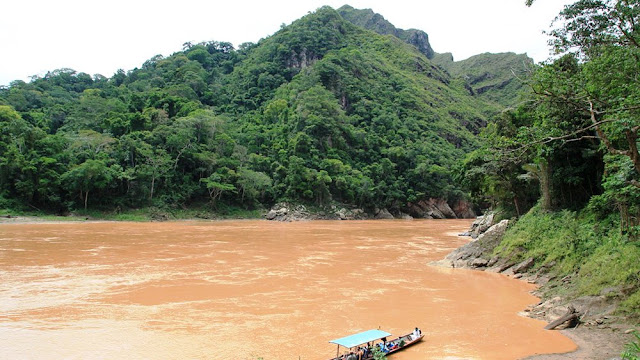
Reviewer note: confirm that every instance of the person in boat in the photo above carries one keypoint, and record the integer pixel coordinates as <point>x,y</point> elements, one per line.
<point>416,333</point>
<point>392,345</point>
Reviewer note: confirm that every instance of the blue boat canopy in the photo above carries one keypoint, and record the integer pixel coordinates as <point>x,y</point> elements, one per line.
<point>360,338</point>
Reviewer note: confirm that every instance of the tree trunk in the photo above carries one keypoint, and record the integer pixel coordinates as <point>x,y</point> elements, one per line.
<point>153,182</point>
<point>571,316</point>
<point>86,199</point>
<point>545,184</point>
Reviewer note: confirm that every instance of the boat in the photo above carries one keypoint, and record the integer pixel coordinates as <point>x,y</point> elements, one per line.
<point>377,338</point>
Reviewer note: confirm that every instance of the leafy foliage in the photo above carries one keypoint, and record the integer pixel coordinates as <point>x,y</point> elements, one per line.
<point>632,350</point>
<point>320,111</point>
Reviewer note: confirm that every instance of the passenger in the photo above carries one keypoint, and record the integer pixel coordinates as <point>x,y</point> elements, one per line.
<point>416,333</point>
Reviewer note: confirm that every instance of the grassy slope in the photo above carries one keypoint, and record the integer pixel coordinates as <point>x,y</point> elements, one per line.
<point>593,253</point>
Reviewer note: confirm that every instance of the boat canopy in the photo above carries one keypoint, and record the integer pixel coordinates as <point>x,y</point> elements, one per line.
<point>360,338</point>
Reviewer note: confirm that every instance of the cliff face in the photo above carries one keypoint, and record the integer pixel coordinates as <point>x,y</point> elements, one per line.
<point>370,20</point>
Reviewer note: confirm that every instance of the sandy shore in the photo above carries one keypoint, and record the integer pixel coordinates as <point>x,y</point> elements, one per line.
<point>593,344</point>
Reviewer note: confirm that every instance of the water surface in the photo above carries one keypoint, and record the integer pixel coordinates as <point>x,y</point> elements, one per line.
<point>249,289</point>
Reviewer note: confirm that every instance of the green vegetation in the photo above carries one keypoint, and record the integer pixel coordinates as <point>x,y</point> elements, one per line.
<point>499,78</point>
<point>571,147</point>
<point>632,351</point>
<point>593,253</point>
<point>322,111</point>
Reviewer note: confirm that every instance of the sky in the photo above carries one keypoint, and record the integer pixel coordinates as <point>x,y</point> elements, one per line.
<point>100,37</point>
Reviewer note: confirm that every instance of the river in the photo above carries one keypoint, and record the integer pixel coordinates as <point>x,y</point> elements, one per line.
<point>251,289</point>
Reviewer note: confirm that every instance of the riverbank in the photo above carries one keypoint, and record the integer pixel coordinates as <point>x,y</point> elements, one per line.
<point>282,211</point>
<point>601,332</point>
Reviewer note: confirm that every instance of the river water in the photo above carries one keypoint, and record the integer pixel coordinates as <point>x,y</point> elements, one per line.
<point>250,289</point>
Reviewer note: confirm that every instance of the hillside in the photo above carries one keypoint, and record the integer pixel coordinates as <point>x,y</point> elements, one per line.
<point>498,78</point>
<point>322,111</point>
<point>370,20</point>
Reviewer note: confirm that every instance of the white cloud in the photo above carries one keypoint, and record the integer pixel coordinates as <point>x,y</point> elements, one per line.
<point>100,37</point>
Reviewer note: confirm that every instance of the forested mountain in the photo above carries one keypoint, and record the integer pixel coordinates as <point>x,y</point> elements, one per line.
<point>498,78</point>
<point>321,111</point>
<point>370,20</point>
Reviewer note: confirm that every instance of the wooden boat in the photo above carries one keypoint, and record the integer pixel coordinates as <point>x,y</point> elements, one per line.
<point>377,338</point>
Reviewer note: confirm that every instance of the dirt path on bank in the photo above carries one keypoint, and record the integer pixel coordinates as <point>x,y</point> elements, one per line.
<point>593,344</point>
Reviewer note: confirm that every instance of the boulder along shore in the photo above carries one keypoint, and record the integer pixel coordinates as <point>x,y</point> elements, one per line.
<point>590,321</point>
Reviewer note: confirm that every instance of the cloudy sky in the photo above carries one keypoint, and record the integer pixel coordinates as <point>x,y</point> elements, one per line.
<point>100,37</point>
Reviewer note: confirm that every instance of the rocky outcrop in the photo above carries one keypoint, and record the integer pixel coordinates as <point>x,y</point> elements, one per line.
<point>477,253</point>
<point>463,209</point>
<point>290,212</point>
<point>370,20</point>
<point>433,208</point>
<point>383,214</point>
<point>480,225</point>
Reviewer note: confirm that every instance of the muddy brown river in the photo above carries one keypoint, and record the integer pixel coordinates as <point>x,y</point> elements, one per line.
<point>251,289</point>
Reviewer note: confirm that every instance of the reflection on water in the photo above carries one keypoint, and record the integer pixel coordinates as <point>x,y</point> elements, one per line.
<point>249,289</point>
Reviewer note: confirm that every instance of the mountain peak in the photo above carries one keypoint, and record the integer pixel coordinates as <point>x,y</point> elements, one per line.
<point>373,21</point>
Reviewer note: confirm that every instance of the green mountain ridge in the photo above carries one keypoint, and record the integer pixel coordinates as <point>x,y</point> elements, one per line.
<point>321,111</point>
<point>496,78</point>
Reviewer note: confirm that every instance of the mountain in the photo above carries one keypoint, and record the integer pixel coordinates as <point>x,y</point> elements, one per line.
<point>498,78</point>
<point>322,111</point>
<point>370,20</point>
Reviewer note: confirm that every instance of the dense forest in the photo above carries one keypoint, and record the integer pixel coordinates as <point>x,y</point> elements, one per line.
<point>323,111</point>
<point>565,160</point>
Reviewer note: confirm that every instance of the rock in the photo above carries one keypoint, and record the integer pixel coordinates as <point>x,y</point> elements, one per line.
<point>384,214</point>
<point>434,208</point>
<point>444,208</point>
<point>493,261</point>
<point>463,210</point>
<point>504,267</point>
<point>523,266</point>
<point>611,291</point>
<point>404,216</point>
<point>481,224</point>
<point>494,234</point>
<point>479,262</point>
<point>271,215</point>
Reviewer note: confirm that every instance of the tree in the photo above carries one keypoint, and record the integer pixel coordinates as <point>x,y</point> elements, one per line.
<point>252,184</point>
<point>89,176</point>
<point>216,185</point>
